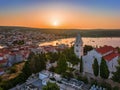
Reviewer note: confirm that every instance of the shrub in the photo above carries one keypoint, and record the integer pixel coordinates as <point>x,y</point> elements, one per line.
<point>67,75</point>
<point>84,79</point>
<point>13,69</point>
<point>94,82</point>
<point>106,85</point>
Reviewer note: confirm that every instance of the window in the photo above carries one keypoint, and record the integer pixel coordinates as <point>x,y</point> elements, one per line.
<point>77,50</point>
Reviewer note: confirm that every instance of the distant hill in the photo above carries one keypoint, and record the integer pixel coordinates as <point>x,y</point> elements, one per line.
<point>68,32</point>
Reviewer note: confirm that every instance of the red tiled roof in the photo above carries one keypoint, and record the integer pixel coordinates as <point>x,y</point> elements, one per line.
<point>3,61</point>
<point>109,57</point>
<point>1,55</point>
<point>105,49</point>
<point>1,70</point>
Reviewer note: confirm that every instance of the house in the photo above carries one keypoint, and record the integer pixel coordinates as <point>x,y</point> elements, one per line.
<point>3,60</point>
<point>44,74</point>
<point>1,71</point>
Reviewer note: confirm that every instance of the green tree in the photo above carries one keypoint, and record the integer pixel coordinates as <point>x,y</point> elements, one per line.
<point>81,65</point>
<point>52,57</point>
<point>26,69</point>
<point>62,65</point>
<point>37,63</point>
<point>104,72</point>
<point>87,48</point>
<point>51,86</point>
<point>31,55</point>
<point>95,67</point>
<point>42,61</point>
<point>116,75</point>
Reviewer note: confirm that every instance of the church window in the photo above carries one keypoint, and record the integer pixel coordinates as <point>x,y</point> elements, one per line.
<point>112,65</point>
<point>77,45</point>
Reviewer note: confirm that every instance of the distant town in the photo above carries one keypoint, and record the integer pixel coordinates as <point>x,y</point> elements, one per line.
<point>25,65</point>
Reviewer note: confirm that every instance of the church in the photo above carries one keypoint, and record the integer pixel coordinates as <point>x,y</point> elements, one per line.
<point>109,53</point>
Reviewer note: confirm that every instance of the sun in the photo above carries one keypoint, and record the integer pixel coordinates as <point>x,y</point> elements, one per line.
<point>55,23</point>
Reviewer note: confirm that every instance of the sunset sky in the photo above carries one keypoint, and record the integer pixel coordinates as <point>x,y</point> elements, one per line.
<point>78,14</point>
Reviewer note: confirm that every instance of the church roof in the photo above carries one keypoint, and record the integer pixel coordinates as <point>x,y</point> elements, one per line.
<point>109,57</point>
<point>105,49</point>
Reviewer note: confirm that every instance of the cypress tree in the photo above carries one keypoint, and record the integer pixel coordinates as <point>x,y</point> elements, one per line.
<point>81,65</point>
<point>95,67</point>
<point>104,72</point>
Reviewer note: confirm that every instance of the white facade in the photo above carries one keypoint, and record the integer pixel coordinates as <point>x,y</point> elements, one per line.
<point>2,72</point>
<point>112,65</point>
<point>78,46</point>
<point>88,61</point>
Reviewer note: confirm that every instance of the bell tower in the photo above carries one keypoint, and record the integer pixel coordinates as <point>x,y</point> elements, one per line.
<point>78,46</point>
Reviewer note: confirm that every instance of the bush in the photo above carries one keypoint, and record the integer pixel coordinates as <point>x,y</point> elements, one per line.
<point>94,82</point>
<point>71,69</point>
<point>13,69</point>
<point>13,82</point>
<point>67,75</point>
<point>84,79</point>
<point>106,85</point>
<point>51,86</point>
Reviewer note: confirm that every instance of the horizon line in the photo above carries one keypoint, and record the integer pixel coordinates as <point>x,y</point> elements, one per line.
<point>62,28</point>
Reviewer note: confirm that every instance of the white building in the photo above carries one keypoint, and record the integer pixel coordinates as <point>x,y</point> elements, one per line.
<point>109,53</point>
<point>78,46</point>
<point>44,76</point>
